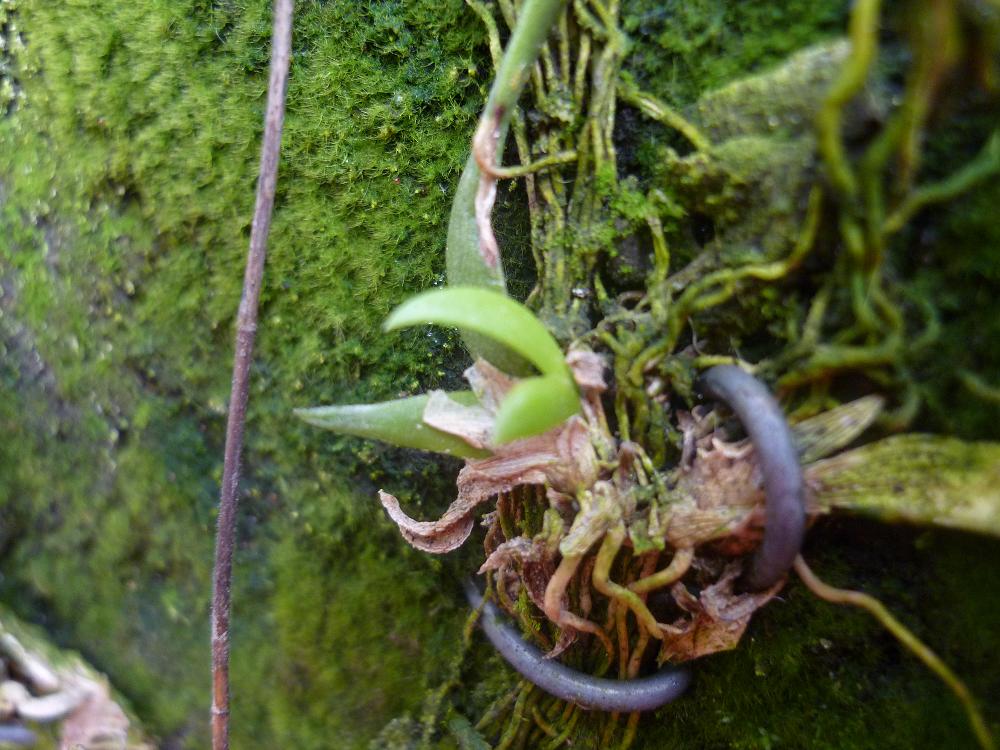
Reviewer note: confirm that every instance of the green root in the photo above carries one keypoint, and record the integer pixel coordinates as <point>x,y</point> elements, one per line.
<point>908,640</point>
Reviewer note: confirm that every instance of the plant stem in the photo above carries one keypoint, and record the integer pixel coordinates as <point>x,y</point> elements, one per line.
<point>246,328</point>
<point>472,255</point>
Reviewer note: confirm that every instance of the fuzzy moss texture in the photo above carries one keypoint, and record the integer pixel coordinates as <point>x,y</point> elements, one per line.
<point>127,165</point>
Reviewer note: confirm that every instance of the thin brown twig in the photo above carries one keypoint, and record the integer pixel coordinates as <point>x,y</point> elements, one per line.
<point>246,328</point>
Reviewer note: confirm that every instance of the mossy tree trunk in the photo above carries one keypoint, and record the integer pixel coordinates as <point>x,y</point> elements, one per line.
<point>127,161</point>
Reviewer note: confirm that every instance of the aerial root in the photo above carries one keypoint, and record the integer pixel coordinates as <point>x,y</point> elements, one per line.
<point>630,730</point>
<point>907,638</point>
<point>554,610</point>
<point>498,709</point>
<point>678,566</point>
<point>602,582</point>
<point>519,722</point>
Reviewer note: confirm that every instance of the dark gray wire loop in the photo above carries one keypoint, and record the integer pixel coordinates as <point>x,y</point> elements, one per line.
<point>784,486</point>
<point>642,694</point>
<point>15,734</point>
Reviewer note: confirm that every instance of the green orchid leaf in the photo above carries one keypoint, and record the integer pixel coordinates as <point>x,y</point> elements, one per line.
<point>535,405</point>
<point>489,313</point>
<point>923,479</point>
<point>397,422</point>
<point>828,432</point>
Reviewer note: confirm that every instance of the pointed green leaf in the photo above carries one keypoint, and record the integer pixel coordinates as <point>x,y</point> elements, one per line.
<point>829,431</point>
<point>489,313</point>
<point>535,405</point>
<point>925,479</point>
<point>397,422</point>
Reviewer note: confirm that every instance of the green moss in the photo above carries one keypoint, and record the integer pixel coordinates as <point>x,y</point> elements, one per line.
<point>809,674</point>
<point>128,172</point>
<point>693,47</point>
<point>362,627</point>
<point>955,265</point>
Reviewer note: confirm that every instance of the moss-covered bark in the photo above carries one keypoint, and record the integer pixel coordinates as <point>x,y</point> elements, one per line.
<point>128,177</point>
<point>127,161</point>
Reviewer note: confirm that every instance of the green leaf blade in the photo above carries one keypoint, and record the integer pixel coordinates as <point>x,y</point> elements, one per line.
<point>397,422</point>
<point>489,313</point>
<point>921,479</point>
<point>534,406</point>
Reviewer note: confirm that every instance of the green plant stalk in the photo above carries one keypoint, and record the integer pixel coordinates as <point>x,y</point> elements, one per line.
<point>534,22</point>
<point>463,260</point>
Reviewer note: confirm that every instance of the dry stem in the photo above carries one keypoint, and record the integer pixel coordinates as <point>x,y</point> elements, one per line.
<point>246,328</point>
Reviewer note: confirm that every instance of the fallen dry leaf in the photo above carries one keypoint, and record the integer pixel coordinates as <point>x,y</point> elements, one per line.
<point>473,424</point>
<point>719,616</point>
<point>436,537</point>
<point>98,723</point>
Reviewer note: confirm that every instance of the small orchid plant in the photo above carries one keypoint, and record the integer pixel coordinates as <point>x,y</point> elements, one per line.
<point>543,437</point>
<point>512,431</point>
